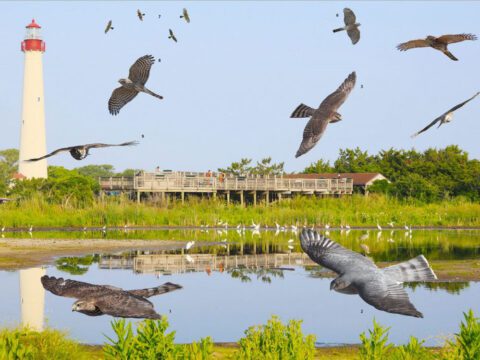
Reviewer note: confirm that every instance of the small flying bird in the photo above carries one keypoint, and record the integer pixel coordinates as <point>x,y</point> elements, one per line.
<point>189,245</point>
<point>351,26</point>
<point>80,152</point>
<point>321,117</point>
<point>438,43</point>
<point>357,274</point>
<point>109,26</point>
<point>96,300</point>
<point>135,83</point>
<point>445,117</point>
<point>140,14</point>
<point>185,15</point>
<point>171,35</point>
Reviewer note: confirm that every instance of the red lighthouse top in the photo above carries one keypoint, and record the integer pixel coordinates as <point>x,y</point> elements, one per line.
<point>33,39</point>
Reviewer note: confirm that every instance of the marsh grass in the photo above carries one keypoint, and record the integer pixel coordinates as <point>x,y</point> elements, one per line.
<point>354,210</point>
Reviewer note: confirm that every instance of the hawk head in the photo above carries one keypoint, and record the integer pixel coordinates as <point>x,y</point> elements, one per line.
<point>86,307</point>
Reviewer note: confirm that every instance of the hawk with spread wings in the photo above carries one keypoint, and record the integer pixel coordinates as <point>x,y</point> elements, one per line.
<point>446,117</point>
<point>135,83</point>
<point>96,300</point>
<point>381,288</point>
<point>80,152</point>
<point>321,117</point>
<point>438,43</point>
<point>351,26</point>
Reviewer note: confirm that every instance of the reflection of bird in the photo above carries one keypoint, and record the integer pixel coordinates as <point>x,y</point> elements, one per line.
<point>365,248</point>
<point>350,25</point>
<point>446,117</point>
<point>185,15</point>
<point>140,15</point>
<point>80,152</point>
<point>171,35</point>
<point>321,117</point>
<point>135,83</point>
<point>381,288</point>
<point>109,26</point>
<point>440,43</point>
<point>379,227</point>
<point>95,300</point>
<point>189,244</point>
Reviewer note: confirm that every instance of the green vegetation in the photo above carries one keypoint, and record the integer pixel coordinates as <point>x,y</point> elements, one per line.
<point>356,210</point>
<point>433,175</point>
<point>263,167</point>
<point>374,347</point>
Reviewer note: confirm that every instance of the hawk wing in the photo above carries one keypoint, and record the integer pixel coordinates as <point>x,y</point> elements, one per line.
<point>312,133</point>
<point>159,290</point>
<point>428,126</point>
<point>120,96</point>
<point>349,17</point>
<point>72,288</point>
<point>140,70</point>
<point>354,35</point>
<point>333,101</point>
<point>108,27</point>
<point>386,295</point>
<point>450,39</point>
<point>332,255</point>
<point>100,145</point>
<point>124,304</point>
<point>185,15</point>
<point>302,111</point>
<point>456,107</point>
<point>412,44</point>
<point>52,153</point>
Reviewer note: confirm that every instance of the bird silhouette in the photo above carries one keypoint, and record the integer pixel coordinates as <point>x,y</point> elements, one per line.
<point>351,26</point>
<point>140,15</point>
<point>446,117</point>
<point>438,43</point>
<point>171,35</point>
<point>109,26</point>
<point>185,15</point>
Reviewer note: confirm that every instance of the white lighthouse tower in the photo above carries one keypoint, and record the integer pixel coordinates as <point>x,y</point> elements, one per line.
<point>32,140</point>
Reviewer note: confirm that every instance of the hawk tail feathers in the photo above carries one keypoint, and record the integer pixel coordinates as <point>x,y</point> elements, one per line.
<point>339,29</point>
<point>162,289</point>
<point>302,111</point>
<point>153,94</point>
<point>416,269</point>
<point>450,55</point>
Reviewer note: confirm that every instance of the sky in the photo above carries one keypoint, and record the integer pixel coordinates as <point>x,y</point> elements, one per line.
<point>238,71</point>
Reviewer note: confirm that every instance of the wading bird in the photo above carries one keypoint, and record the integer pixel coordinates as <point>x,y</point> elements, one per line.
<point>445,117</point>
<point>140,15</point>
<point>438,43</point>
<point>95,300</point>
<point>351,26</point>
<point>109,26</point>
<point>135,83</point>
<point>321,117</point>
<point>171,35</point>
<point>381,288</point>
<point>80,152</point>
<point>185,15</point>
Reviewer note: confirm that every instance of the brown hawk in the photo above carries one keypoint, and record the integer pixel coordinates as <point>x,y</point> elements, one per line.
<point>438,43</point>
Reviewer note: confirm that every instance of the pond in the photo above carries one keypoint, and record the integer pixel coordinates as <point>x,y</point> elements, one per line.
<point>241,278</point>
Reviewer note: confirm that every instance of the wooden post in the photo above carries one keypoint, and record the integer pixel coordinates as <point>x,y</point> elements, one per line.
<point>182,194</point>
<point>255,198</point>
<point>138,196</point>
<point>214,195</point>
<point>279,196</point>
<point>241,197</point>
<point>228,197</point>
<point>266,197</point>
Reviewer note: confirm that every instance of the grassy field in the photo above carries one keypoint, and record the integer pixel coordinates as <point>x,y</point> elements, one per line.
<point>354,210</point>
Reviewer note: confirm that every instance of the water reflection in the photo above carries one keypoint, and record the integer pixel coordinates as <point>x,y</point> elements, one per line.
<point>32,298</point>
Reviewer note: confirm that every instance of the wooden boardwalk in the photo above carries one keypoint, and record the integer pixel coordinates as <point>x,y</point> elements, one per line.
<point>242,188</point>
<point>172,264</point>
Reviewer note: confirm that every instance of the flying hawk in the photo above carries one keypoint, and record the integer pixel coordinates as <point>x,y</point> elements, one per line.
<point>80,152</point>
<point>351,26</point>
<point>96,300</point>
<point>140,14</point>
<point>446,117</point>
<point>325,114</point>
<point>135,83</point>
<point>109,26</point>
<point>381,288</point>
<point>438,43</point>
<point>171,35</point>
<point>185,15</point>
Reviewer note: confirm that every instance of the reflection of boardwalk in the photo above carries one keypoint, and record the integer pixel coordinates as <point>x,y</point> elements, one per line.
<point>202,262</point>
<point>264,187</point>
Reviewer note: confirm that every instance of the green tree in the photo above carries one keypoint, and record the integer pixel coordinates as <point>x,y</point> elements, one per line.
<point>96,171</point>
<point>128,172</point>
<point>8,167</point>
<point>319,167</point>
<point>238,168</point>
<point>355,160</point>
<point>265,167</point>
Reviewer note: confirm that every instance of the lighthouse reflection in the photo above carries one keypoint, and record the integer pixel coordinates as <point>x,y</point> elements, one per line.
<point>32,298</point>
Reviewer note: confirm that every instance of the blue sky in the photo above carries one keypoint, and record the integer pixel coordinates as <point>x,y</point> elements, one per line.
<point>237,72</point>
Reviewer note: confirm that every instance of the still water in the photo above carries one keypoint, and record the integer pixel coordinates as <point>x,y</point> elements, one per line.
<point>239,282</point>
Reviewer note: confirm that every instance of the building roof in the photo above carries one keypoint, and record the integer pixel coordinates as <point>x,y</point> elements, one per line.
<point>18,176</point>
<point>360,179</point>
<point>33,24</point>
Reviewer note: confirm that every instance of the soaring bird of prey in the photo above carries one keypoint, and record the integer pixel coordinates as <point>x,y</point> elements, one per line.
<point>171,35</point>
<point>325,114</point>
<point>446,117</point>
<point>438,43</point>
<point>351,25</point>
<point>135,83</point>
<point>185,15</point>
<point>95,300</point>
<point>109,26</point>
<point>140,14</point>
<point>381,288</point>
<point>80,152</point>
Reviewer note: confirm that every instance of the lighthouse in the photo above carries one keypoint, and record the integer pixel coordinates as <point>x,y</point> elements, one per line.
<point>32,138</point>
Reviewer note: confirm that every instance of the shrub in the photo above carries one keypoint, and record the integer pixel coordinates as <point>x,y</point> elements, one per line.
<point>375,347</point>
<point>466,344</point>
<point>412,351</point>
<point>276,341</point>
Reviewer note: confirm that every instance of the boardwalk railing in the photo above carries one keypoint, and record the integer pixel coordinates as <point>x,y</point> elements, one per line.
<point>200,182</point>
